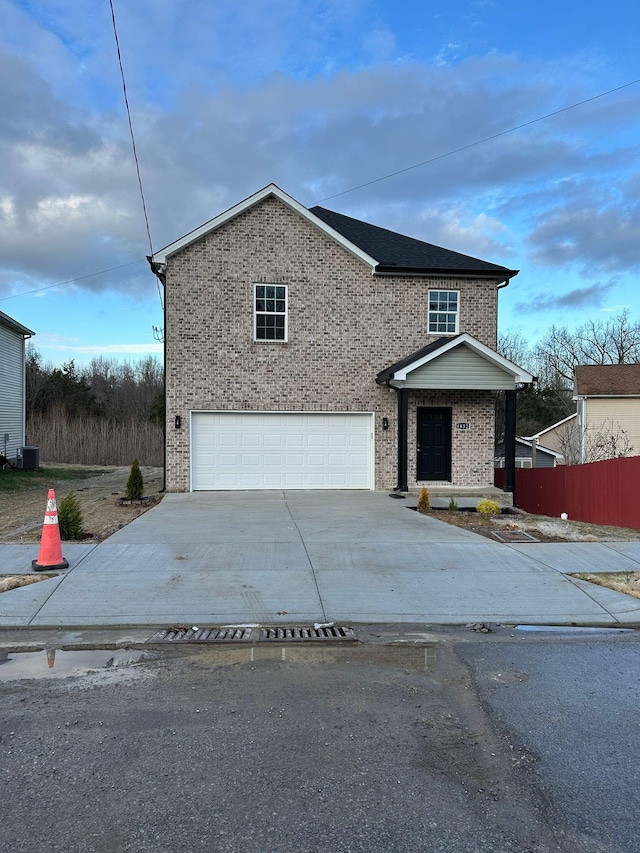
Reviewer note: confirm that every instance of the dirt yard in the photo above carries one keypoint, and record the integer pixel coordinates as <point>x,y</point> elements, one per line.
<point>22,512</point>
<point>542,528</point>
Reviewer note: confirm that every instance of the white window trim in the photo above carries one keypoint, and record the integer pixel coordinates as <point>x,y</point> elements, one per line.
<point>457,325</point>
<point>258,340</point>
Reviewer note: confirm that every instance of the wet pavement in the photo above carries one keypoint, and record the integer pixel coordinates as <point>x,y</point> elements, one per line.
<point>56,663</point>
<point>455,741</point>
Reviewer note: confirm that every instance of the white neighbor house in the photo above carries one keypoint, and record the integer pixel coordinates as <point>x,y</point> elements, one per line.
<point>12,386</point>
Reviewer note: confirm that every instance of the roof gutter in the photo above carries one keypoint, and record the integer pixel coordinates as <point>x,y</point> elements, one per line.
<point>503,276</point>
<point>159,270</point>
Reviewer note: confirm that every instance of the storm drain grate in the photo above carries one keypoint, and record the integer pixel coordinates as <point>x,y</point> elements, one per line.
<point>513,536</point>
<point>324,633</point>
<point>178,634</point>
<point>182,634</point>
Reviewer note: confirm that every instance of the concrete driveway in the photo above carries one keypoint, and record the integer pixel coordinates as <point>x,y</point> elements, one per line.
<point>298,557</point>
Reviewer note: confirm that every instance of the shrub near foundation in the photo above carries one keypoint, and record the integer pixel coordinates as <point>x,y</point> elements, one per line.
<point>424,501</point>
<point>135,484</point>
<point>487,507</point>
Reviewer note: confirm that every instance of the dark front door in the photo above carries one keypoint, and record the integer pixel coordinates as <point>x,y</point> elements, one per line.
<point>434,444</point>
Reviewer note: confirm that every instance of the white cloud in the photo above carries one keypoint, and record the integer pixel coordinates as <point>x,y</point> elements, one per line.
<point>233,96</point>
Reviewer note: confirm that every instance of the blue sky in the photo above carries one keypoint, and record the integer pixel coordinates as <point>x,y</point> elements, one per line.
<point>317,96</point>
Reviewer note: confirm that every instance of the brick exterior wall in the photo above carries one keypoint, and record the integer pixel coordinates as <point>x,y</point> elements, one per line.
<point>345,326</point>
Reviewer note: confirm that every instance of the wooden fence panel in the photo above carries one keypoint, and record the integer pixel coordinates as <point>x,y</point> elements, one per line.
<point>605,492</point>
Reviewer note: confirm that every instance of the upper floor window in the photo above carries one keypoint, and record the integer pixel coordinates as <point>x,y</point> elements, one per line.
<point>270,312</point>
<point>443,312</point>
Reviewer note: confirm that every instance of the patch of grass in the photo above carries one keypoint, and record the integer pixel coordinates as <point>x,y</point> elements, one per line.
<point>16,581</point>
<point>627,582</point>
<point>17,481</point>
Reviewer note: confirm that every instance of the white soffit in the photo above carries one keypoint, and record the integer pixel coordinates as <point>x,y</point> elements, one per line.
<point>161,256</point>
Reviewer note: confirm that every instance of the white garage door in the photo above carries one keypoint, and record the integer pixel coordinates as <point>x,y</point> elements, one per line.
<point>264,450</point>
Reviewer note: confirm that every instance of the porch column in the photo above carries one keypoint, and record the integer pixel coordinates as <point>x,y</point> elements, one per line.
<point>403,420</point>
<point>510,442</point>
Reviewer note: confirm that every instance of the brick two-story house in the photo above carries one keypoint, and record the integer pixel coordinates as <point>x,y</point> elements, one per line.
<point>309,350</point>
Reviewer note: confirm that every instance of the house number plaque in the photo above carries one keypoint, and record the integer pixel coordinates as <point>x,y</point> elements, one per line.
<point>462,426</point>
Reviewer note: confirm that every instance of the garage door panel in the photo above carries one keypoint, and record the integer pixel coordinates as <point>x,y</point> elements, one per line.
<point>224,440</point>
<point>256,450</point>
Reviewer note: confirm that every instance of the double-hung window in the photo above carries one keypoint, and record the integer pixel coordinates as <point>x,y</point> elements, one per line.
<point>442,315</point>
<point>270,312</point>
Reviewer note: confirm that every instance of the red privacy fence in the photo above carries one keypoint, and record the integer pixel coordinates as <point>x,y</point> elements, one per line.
<point>600,492</point>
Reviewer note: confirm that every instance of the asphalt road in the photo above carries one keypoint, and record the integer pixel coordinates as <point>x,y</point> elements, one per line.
<point>575,705</point>
<point>350,749</point>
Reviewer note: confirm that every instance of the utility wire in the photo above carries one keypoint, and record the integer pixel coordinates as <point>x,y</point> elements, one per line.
<point>479,141</point>
<point>327,198</point>
<point>133,140</point>
<point>69,281</point>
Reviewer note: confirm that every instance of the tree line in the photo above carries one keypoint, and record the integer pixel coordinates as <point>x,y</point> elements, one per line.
<point>107,412</point>
<point>553,360</point>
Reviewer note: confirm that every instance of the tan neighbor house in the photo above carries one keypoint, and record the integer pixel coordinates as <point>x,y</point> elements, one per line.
<point>306,349</point>
<point>608,410</point>
<point>561,438</point>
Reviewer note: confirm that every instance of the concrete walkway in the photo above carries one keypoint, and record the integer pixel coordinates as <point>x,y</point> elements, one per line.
<point>216,558</point>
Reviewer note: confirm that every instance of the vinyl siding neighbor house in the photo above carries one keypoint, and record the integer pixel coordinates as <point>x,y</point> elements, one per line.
<point>13,336</point>
<point>309,350</point>
<point>608,417</point>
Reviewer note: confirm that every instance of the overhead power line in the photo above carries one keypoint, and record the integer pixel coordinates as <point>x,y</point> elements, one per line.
<point>479,142</point>
<point>133,138</point>
<point>327,198</point>
<point>69,281</point>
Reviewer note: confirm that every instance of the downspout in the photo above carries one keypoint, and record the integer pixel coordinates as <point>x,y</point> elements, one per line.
<point>164,391</point>
<point>25,338</point>
<point>159,270</point>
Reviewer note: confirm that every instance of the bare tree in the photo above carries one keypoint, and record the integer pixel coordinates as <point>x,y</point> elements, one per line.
<point>568,438</point>
<point>607,440</point>
<point>614,341</point>
<point>516,348</point>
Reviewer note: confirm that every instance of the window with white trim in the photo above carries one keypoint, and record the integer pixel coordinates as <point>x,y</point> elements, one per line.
<point>442,314</point>
<point>270,312</point>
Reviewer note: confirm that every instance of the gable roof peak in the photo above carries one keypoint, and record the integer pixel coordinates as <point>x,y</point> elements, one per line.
<point>382,250</point>
<point>159,258</point>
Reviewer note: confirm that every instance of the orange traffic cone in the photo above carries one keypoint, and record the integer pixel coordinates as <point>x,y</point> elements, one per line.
<point>50,556</point>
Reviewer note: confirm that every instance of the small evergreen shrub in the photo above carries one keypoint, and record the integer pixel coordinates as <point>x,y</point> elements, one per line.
<point>487,507</point>
<point>424,502</point>
<point>453,505</point>
<point>70,518</point>
<point>135,484</point>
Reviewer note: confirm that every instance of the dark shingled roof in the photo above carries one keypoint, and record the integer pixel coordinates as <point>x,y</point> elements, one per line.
<point>398,253</point>
<point>607,380</point>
